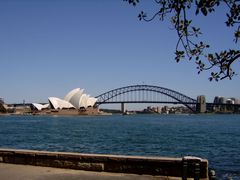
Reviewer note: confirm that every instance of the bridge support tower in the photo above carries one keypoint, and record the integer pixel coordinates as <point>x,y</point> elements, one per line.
<point>122,107</point>
<point>201,104</point>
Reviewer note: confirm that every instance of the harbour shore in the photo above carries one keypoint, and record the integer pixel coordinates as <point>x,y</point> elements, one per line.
<point>186,167</point>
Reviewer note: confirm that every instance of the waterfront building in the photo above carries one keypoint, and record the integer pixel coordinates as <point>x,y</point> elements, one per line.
<point>219,102</point>
<point>216,99</point>
<point>230,101</point>
<point>234,100</point>
<point>223,105</point>
<point>75,99</point>
<point>74,103</point>
<point>158,109</point>
<point>165,110</point>
<point>151,109</point>
<point>222,100</point>
<point>237,101</point>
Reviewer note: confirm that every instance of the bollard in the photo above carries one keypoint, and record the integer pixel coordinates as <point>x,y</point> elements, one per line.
<point>185,164</point>
<point>212,175</point>
<point>197,171</point>
<point>191,164</point>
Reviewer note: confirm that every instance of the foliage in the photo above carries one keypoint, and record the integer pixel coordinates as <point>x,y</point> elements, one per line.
<point>220,63</point>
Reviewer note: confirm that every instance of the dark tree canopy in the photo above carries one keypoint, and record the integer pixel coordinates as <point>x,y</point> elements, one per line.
<point>188,45</point>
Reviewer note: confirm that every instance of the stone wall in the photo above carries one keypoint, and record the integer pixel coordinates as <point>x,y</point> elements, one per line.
<point>175,167</point>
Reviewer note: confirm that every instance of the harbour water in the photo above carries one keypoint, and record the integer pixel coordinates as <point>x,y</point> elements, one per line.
<point>214,137</point>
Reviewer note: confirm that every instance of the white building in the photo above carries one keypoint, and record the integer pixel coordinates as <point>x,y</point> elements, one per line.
<point>75,99</point>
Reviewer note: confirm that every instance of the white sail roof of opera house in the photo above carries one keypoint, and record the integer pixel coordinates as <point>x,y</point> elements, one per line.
<point>39,107</point>
<point>57,103</point>
<point>74,97</point>
<point>91,101</point>
<point>78,99</point>
<point>73,92</point>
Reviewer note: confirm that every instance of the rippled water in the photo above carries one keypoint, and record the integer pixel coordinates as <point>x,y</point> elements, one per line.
<point>215,137</point>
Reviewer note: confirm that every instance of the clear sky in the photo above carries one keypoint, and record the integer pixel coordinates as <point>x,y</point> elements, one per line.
<point>48,47</point>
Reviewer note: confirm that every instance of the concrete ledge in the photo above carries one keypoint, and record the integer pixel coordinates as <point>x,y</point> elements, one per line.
<point>188,167</point>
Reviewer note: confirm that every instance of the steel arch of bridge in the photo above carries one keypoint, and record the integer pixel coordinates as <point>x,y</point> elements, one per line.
<point>107,98</point>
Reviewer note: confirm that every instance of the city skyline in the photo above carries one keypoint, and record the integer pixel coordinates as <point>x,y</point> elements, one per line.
<point>50,47</point>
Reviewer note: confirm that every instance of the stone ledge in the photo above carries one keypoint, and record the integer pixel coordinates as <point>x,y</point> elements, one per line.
<point>191,167</point>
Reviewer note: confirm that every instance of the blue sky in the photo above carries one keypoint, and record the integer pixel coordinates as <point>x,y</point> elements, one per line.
<point>49,47</point>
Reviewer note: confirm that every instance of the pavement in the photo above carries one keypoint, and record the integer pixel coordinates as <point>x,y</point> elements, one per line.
<point>26,172</point>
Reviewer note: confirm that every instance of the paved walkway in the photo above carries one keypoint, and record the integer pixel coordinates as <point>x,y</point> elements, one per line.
<point>25,172</point>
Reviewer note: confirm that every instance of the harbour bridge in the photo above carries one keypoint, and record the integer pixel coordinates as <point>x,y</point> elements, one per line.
<point>146,94</point>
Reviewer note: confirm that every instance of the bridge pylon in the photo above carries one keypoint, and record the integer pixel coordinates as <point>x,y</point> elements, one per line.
<point>122,107</point>
<point>201,104</point>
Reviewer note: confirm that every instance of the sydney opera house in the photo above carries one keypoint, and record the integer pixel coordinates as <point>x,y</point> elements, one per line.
<point>76,102</point>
